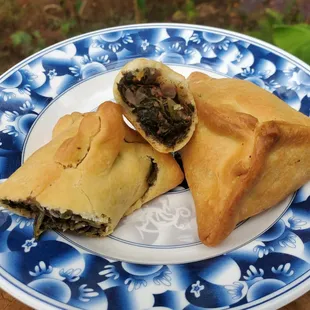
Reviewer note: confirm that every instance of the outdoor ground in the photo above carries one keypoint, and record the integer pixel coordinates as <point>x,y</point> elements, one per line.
<point>30,25</point>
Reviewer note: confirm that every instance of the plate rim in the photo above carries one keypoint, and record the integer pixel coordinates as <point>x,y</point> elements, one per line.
<point>156,25</point>
<point>278,301</point>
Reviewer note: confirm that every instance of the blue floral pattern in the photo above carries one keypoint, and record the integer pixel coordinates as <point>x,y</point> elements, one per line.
<point>65,273</point>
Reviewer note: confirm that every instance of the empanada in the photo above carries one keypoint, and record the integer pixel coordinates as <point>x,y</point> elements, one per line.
<point>249,151</point>
<point>156,100</point>
<point>93,171</point>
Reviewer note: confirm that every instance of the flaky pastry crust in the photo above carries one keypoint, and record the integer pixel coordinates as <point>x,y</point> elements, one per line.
<point>94,167</point>
<point>249,151</point>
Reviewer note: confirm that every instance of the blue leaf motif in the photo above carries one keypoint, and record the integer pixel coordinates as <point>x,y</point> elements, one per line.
<point>11,116</point>
<point>71,275</point>
<point>110,272</point>
<point>224,45</point>
<point>114,47</point>
<point>104,59</point>
<point>23,222</point>
<point>249,72</point>
<point>86,60</point>
<point>264,74</point>
<point>86,293</point>
<point>195,38</point>
<point>262,250</point>
<point>25,89</point>
<point>127,39</point>
<point>253,273</point>
<point>272,85</point>
<point>7,95</point>
<point>235,290</point>
<point>27,107</point>
<point>289,240</point>
<point>75,70</point>
<point>98,42</point>
<point>296,223</point>
<point>176,47</point>
<point>208,46</point>
<point>163,278</point>
<point>10,130</point>
<point>134,283</point>
<point>41,269</point>
<point>283,270</point>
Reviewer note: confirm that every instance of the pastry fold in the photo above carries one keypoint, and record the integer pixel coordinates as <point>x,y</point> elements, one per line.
<point>93,171</point>
<point>157,101</point>
<point>249,151</point>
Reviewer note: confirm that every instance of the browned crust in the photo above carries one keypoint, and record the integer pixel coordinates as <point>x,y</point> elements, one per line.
<point>95,166</point>
<point>132,136</point>
<point>249,150</point>
<point>228,217</point>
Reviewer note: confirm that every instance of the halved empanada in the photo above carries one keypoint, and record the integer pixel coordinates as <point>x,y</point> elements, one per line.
<point>92,172</point>
<point>157,101</point>
<point>249,151</point>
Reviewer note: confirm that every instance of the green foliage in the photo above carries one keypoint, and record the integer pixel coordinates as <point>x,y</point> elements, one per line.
<point>21,38</point>
<point>295,39</point>
<point>141,5</point>
<point>291,37</point>
<point>190,10</point>
<point>67,26</point>
<point>29,43</point>
<point>78,5</point>
<point>265,27</point>
<point>139,9</point>
<point>274,17</point>
<point>40,40</point>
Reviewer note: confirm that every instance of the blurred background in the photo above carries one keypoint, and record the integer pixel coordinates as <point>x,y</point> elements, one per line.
<point>30,25</point>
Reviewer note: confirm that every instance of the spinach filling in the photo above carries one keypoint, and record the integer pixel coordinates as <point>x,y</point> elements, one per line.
<point>159,110</point>
<point>52,219</point>
<point>178,158</point>
<point>153,173</point>
<point>45,219</point>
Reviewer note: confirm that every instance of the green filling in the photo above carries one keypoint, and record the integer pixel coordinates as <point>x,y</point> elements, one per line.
<point>45,219</point>
<point>52,219</point>
<point>159,110</point>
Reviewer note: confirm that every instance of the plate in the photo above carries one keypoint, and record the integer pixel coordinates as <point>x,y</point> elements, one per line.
<point>154,259</point>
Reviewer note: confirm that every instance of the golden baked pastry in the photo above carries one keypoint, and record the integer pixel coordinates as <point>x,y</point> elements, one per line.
<point>156,100</point>
<point>93,171</point>
<point>249,151</point>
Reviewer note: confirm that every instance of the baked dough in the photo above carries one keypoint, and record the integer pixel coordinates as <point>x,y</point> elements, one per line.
<point>93,171</point>
<point>249,151</point>
<point>157,101</point>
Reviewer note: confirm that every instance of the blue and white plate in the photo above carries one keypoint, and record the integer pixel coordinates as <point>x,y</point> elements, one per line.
<point>154,259</point>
